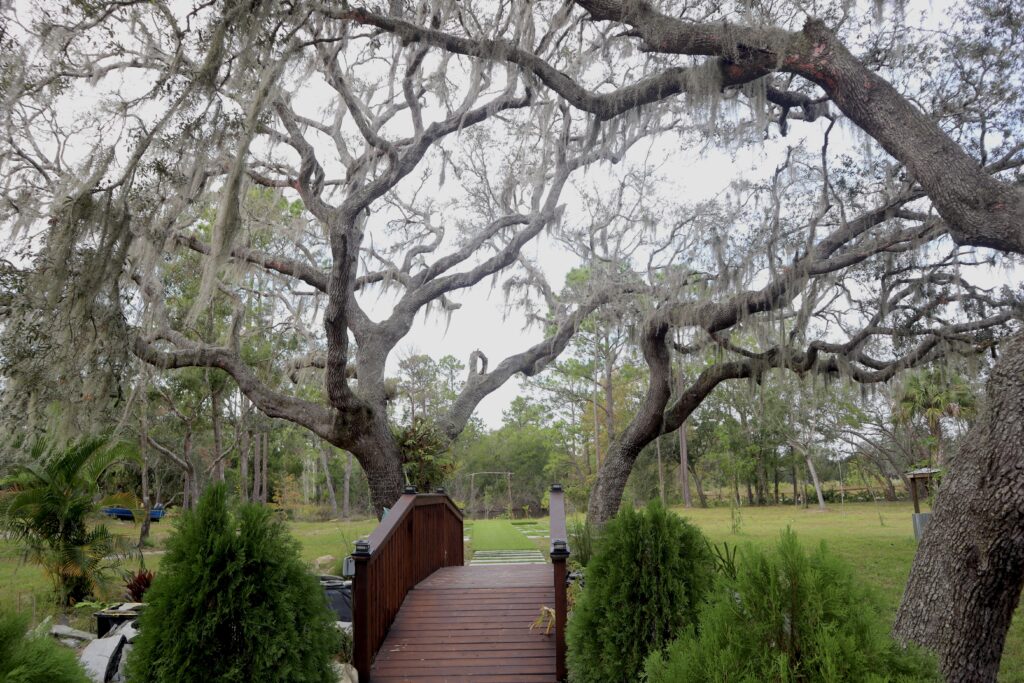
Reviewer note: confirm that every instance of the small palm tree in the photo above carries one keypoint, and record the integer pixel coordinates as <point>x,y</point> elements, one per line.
<point>932,396</point>
<point>45,506</point>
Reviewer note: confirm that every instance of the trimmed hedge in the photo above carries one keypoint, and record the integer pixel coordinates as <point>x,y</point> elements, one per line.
<point>644,584</point>
<point>233,603</point>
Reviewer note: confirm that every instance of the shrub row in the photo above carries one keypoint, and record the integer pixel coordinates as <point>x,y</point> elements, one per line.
<point>655,608</point>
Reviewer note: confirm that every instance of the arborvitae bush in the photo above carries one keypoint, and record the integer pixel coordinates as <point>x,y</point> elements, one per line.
<point>644,584</point>
<point>34,657</point>
<point>233,602</point>
<point>789,617</point>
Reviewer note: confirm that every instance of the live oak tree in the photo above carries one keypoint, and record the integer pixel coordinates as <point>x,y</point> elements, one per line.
<point>948,114</point>
<point>368,135</point>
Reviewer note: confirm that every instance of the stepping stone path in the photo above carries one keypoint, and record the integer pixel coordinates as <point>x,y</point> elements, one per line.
<point>493,557</point>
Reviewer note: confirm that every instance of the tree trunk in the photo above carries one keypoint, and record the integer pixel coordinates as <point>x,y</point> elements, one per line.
<point>192,471</point>
<point>245,439</point>
<point>796,482</point>
<point>700,489</point>
<point>609,390</point>
<point>661,471</point>
<point>597,434</point>
<point>762,479</point>
<point>328,481</point>
<point>257,470</point>
<point>966,579</point>
<point>381,459</point>
<point>144,455</point>
<point>684,466</point>
<point>346,509</point>
<point>186,491</point>
<point>265,465</point>
<point>218,441</point>
<point>814,478</point>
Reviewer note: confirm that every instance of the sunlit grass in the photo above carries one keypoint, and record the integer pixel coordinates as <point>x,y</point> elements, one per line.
<point>498,534</point>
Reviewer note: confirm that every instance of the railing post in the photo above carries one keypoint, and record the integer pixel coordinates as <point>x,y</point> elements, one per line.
<point>559,555</point>
<point>362,648</point>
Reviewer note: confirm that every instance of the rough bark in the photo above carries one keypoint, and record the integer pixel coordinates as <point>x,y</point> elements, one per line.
<point>966,579</point>
<point>642,429</point>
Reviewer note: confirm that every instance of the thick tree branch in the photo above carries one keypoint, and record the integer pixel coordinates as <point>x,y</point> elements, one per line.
<point>316,418</point>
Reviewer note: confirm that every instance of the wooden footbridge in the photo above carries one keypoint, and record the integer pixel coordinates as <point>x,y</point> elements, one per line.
<point>421,616</point>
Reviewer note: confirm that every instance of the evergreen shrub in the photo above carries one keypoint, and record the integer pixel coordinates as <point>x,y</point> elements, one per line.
<point>645,582</point>
<point>34,657</point>
<point>789,617</point>
<point>233,602</point>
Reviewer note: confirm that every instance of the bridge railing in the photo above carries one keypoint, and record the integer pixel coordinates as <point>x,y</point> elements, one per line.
<point>559,555</point>
<point>418,536</point>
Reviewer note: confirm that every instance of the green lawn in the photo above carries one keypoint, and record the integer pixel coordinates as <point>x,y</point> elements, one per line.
<point>877,539</point>
<point>26,588</point>
<point>497,534</point>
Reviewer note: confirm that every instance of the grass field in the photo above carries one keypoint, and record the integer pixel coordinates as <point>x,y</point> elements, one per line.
<point>876,539</point>
<point>497,534</point>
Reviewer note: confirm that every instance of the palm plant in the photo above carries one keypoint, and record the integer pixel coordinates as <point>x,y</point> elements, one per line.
<point>45,506</point>
<point>932,396</point>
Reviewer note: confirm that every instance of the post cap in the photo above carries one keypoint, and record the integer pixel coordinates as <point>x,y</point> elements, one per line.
<point>559,548</point>
<point>556,487</point>
<point>410,489</point>
<point>440,489</point>
<point>362,547</point>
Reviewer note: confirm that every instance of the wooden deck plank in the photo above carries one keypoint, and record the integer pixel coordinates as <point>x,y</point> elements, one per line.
<point>471,623</point>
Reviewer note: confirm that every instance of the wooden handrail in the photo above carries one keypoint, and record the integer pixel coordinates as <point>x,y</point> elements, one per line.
<point>418,536</point>
<point>559,555</point>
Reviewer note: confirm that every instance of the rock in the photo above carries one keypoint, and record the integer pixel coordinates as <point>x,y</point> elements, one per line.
<point>61,631</point>
<point>100,657</point>
<point>120,675</point>
<point>128,629</point>
<point>346,673</point>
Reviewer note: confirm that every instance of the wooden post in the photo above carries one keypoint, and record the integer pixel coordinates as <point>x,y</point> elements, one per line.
<point>362,648</point>
<point>559,555</point>
<point>913,495</point>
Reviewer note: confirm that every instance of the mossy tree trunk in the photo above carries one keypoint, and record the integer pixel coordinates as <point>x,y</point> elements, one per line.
<point>966,579</point>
